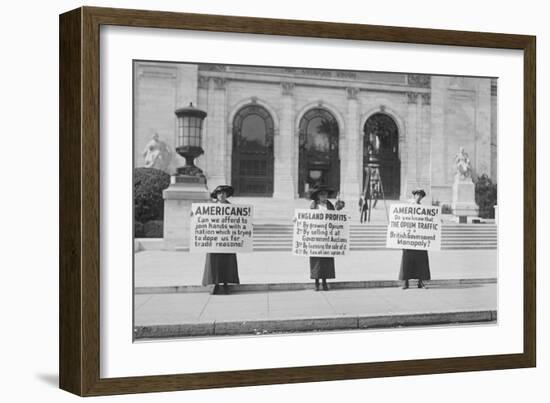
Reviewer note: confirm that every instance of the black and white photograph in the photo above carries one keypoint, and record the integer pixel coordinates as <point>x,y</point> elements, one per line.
<point>241,201</point>
<point>272,200</point>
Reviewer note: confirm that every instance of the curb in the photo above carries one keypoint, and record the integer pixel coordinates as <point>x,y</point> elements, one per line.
<point>335,285</point>
<point>260,327</point>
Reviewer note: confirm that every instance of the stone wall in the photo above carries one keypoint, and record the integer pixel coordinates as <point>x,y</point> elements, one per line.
<point>462,116</point>
<point>159,89</point>
<point>435,116</point>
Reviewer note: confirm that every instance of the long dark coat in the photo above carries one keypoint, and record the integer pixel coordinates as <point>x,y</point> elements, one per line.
<point>321,267</point>
<point>220,268</point>
<point>414,265</point>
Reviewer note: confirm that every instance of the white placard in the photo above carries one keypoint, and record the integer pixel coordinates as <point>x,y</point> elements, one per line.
<point>221,228</point>
<point>320,233</point>
<point>413,226</point>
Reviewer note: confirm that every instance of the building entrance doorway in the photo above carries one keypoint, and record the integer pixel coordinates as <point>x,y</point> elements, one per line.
<point>381,146</point>
<point>319,161</point>
<point>252,156</point>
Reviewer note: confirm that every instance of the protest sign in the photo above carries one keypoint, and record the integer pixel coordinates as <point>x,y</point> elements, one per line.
<point>221,228</point>
<point>320,233</point>
<point>413,226</point>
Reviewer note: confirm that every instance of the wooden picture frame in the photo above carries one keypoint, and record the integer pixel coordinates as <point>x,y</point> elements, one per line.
<point>79,282</point>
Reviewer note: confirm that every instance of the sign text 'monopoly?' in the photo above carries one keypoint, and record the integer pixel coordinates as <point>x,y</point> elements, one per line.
<point>414,227</point>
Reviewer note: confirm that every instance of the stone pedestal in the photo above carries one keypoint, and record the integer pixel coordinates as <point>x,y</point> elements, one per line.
<point>178,197</point>
<point>464,204</point>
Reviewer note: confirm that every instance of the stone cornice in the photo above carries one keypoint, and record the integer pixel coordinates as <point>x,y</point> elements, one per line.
<point>419,80</point>
<point>156,71</point>
<point>315,83</point>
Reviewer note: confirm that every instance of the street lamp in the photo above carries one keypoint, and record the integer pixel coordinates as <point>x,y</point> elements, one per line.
<point>189,138</point>
<point>188,185</point>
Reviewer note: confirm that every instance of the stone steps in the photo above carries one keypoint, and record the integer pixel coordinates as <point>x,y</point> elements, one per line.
<point>278,237</point>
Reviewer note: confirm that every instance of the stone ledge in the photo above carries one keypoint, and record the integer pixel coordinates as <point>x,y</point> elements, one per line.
<point>259,327</point>
<point>426,319</point>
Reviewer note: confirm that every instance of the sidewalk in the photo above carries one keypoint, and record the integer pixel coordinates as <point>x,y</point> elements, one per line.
<point>173,268</point>
<point>202,314</point>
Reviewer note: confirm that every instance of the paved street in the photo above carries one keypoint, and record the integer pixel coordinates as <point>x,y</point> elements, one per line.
<point>202,314</point>
<point>172,268</point>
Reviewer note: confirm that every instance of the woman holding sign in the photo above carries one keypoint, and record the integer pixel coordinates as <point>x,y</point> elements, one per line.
<point>415,263</point>
<point>322,268</point>
<point>221,268</point>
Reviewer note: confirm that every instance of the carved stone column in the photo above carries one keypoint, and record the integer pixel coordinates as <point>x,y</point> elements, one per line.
<point>351,165</point>
<point>483,128</point>
<point>186,85</point>
<point>423,166</point>
<point>411,143</point>
<point>283,186</point>
<point>205,161</point>
<point>218,134</point>
<point>438,142</point>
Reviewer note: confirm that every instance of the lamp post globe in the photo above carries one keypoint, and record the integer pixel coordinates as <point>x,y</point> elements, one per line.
<point>189,138</point>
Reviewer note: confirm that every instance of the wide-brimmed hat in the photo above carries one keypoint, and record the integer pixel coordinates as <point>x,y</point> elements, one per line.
<point>420,192</point>
<point>222,188</point>
<point>314,194</point>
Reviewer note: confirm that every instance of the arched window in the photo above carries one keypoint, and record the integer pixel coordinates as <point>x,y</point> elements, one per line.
<point>252,157</point>
<point>319,162</point>
<point>381,136</point>
<point>381,148</point>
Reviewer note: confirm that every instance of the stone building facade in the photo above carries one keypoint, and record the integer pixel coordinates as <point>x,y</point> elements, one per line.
<point>275,132</point>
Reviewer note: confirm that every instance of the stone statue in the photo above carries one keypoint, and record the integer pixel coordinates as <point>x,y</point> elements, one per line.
<point>157,154</point>
<point>464,204</point>
<point>463,166</point>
